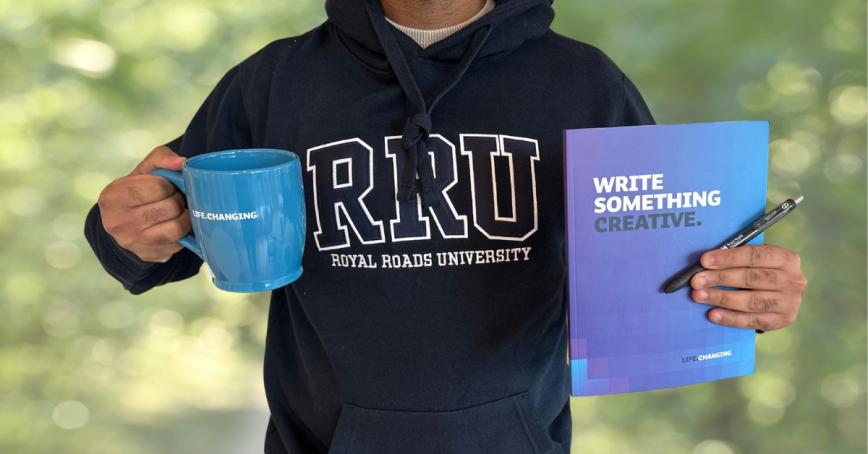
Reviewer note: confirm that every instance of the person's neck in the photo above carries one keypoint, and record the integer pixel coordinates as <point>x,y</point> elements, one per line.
<point>430,14</point>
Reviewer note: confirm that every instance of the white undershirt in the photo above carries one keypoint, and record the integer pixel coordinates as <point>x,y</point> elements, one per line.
<point>426,38</point>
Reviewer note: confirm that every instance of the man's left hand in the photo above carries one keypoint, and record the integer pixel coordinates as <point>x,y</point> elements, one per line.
<point>770,286</point>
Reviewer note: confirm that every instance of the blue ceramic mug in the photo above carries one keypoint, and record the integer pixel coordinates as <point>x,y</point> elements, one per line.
<point>247,210</point>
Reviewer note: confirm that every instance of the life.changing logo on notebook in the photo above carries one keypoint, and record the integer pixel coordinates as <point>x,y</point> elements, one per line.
<point>706,356</point>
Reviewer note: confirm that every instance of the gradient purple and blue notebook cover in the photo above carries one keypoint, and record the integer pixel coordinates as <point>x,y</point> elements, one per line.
<point>627,236</point>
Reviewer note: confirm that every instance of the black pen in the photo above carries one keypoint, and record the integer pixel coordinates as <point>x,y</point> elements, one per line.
<point>767,220</point>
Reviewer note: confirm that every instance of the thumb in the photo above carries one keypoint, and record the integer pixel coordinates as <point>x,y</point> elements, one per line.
<point>161,157</point>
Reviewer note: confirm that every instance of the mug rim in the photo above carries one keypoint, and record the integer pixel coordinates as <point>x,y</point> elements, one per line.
<point>190,163</point>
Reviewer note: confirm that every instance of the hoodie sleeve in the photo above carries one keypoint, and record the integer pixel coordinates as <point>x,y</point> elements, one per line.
<point>219,124</point>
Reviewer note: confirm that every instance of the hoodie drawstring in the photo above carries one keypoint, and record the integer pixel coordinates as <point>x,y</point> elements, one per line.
<point>414,137</point>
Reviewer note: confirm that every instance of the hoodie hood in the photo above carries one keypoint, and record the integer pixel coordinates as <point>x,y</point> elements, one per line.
<point>380,46</point>
<point>516,20</point>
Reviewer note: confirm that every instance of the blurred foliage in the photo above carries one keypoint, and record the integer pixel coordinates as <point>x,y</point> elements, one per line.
<point>88,87</point>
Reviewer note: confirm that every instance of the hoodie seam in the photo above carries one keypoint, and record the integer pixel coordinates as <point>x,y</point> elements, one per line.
<point>623,98</point>
<point>342,40</point>
<point>244,109</point>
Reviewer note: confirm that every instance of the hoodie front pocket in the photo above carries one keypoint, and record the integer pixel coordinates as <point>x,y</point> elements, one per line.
<point>504,426</point>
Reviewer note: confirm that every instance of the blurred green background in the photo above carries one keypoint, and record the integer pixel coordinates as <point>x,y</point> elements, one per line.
<point>88,87</point>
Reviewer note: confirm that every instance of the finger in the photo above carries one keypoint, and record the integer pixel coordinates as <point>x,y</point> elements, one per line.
<point>139,190</point>
<point>741,300</point>
<point>750,278</point>
<point>160,158</point>
<point>765,322</point>
<point>160,211</point>
<point>167,232</point>
<point>762,256</point>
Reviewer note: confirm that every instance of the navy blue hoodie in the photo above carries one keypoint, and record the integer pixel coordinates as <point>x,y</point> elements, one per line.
<point>430,317</point>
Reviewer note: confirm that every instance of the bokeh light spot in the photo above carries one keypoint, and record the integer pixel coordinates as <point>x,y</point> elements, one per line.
<point>62,254</point>
<point>188,26</point>
<point>764,415</point>
<point>712,447</point>
<point>756,96</point>
<point>70,414</point>
<point>68,226</point>
<point>843,166</point>
<point>166,323</point>
<point>22,287</point>
<point>790,158</point>
<point>90,57</point>
<point>789,78</point>
<point>848,104</point>
<point>25,201</point>
<point>60,319</point>
<point>842,390</point>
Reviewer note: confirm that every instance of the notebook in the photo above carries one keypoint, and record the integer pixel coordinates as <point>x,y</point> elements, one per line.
<point>643,202</point>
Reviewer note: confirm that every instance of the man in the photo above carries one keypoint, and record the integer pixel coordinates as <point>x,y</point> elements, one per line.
<point>431,315</point>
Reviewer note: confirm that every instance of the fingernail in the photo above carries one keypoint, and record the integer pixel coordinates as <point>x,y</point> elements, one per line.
<point>709,259</point>
<point>715,316</point>
<point>701,280</point>
<point>701,295</point>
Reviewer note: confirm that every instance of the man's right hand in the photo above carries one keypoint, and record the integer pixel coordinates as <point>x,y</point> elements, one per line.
<point>146,214</point>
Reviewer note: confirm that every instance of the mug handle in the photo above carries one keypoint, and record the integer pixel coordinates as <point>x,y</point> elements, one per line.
<point>177,179</point>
